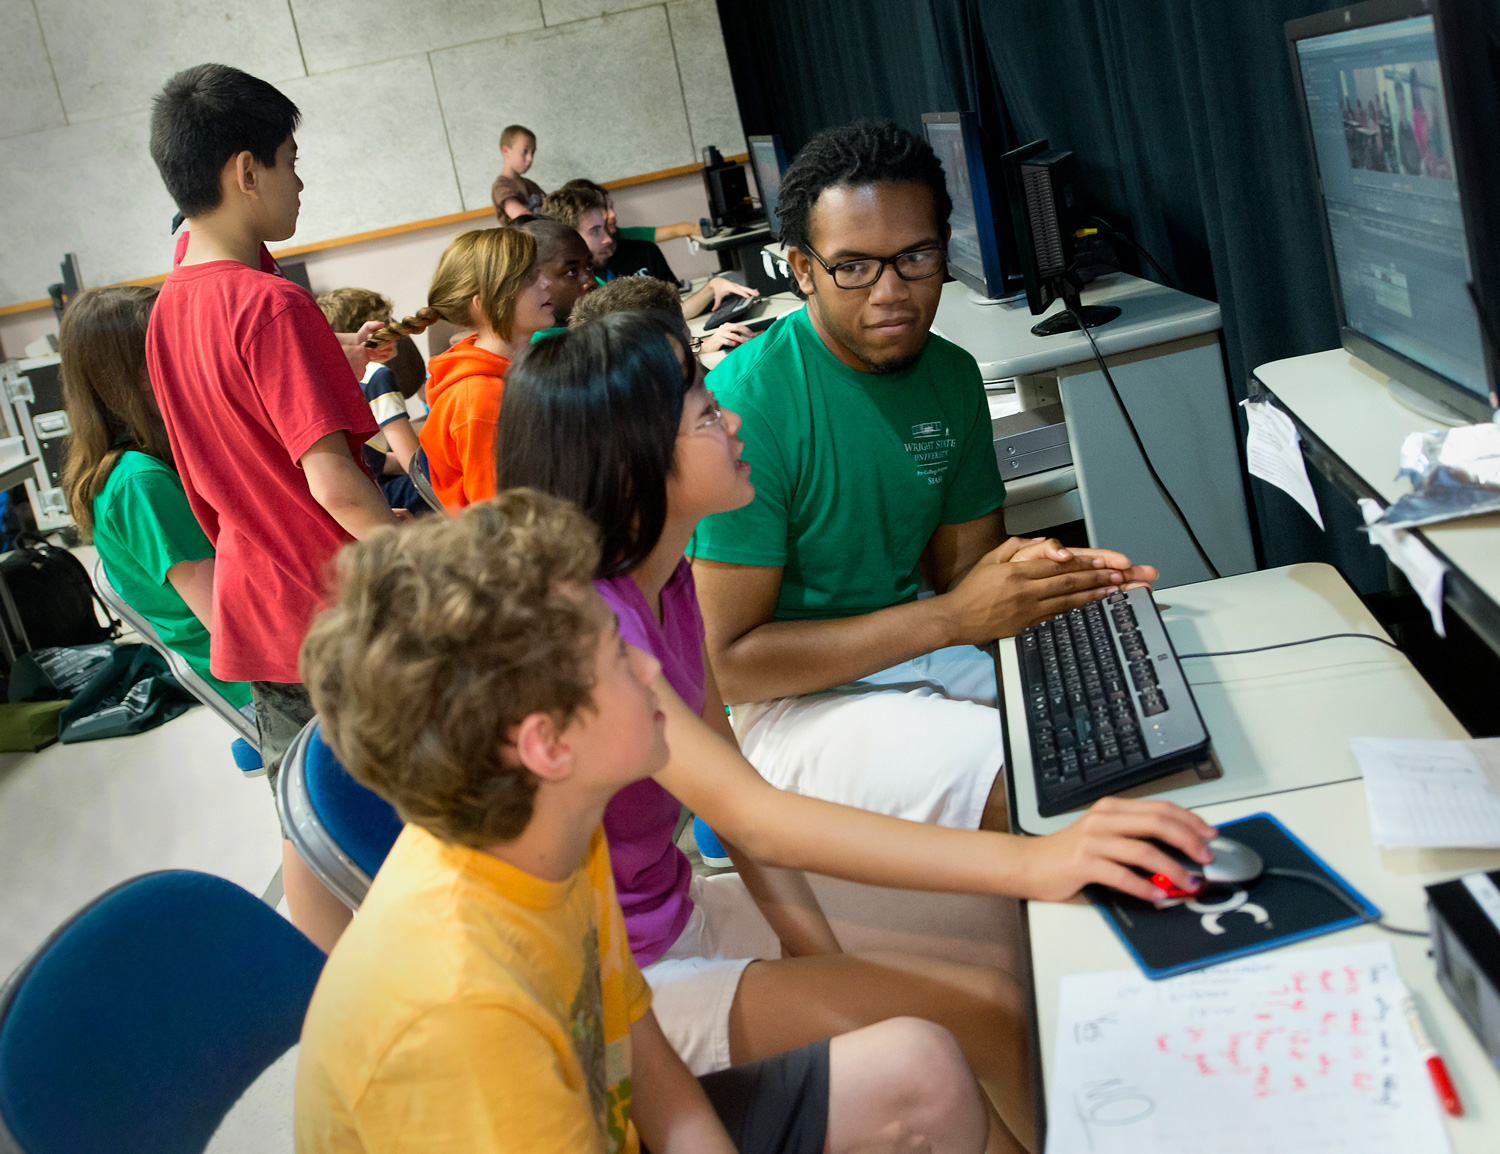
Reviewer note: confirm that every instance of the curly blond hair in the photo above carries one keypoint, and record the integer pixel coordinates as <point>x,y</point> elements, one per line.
<point>626,294</point>
<point>442,638</point>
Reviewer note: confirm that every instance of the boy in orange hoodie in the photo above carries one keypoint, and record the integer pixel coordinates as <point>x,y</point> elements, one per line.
<point>487,279</point>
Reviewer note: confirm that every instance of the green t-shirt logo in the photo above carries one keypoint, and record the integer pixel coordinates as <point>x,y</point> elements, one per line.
<point>931,447</point>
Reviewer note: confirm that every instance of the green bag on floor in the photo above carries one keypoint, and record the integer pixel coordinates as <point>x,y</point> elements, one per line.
<point>30,726</point>
<point>132,693</point>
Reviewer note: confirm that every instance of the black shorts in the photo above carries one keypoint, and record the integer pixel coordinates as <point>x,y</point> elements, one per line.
<point>778,1105</point>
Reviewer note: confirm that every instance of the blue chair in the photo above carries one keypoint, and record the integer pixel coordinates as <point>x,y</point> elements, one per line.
<point>417,469</point>
<point>140,1022</point>
<point>342,830</point>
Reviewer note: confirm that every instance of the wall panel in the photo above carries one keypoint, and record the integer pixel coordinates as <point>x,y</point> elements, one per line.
<point>27,94</point>
<point>602,96</point>
<point>111,58</point>
<point>402,109</point>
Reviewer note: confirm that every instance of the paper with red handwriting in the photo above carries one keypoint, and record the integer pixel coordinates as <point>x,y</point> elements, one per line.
<point>1292,1051</point>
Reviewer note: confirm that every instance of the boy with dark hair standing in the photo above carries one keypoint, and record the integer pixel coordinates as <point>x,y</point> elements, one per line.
<point>262,409</point>
<point>512,194</point>
<point>486,999</point>
<point>874,468</point>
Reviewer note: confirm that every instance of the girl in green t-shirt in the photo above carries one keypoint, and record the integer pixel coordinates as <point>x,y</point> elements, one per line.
<point>121,486</point>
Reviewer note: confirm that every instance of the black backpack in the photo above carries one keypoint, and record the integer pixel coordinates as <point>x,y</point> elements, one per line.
<point>53,598</point>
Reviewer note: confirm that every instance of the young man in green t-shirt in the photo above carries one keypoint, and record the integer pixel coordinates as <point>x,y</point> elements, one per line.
<point>870,443</point>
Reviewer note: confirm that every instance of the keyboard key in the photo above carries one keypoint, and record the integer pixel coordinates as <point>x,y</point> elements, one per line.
<point>1152,704</point>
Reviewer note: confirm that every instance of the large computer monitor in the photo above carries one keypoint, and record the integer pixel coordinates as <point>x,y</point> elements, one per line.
<point>978,252</point>
<point>1378,125</point>
<point>768,162</point>
<point>1468,35</point>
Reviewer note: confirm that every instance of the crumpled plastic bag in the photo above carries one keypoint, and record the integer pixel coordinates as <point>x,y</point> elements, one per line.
<point>1453,473</point>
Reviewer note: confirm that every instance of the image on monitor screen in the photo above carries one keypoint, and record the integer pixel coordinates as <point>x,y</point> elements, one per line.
<point>964,253</point>
<point>768,161</point>
<point>1379,125</point>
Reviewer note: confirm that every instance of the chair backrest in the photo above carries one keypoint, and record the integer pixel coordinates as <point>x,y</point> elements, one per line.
<point>188,677</point>
<point>342,830</point>
<point>144,1017</point>
<point>417,469</point>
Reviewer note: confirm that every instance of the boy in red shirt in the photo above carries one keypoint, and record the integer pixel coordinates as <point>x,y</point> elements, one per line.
<point>262,410</point>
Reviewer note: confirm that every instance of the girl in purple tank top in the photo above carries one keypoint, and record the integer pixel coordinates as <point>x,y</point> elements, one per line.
<point>616,417</point>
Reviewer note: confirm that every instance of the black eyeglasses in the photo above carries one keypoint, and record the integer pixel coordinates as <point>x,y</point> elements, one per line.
<point>916,264</point>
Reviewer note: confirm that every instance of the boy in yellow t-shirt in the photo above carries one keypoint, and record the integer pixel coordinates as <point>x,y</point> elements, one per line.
<point>485,998</point>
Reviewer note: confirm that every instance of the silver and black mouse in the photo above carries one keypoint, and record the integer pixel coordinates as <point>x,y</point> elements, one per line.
<point>1234,864</point>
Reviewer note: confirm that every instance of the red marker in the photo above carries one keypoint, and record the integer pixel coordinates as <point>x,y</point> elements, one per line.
<point>1443,1084</point>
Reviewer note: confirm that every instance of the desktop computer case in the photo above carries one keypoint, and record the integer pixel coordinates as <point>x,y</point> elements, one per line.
<point>33,411</point>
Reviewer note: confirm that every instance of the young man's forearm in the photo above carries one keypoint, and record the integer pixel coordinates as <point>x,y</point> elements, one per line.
<point>787,658</point>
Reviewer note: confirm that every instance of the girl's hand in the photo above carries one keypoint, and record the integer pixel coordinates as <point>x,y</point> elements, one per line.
<point>726,337</point>
<point>1103,845</point>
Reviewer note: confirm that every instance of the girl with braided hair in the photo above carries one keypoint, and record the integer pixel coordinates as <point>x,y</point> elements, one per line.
<point>488,279</point>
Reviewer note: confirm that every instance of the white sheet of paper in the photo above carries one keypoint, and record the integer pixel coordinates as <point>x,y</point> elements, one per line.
<point>1422,569</point>
<point>1296,1051</point>
<point>1441,794</point>
<point>1273,452</point>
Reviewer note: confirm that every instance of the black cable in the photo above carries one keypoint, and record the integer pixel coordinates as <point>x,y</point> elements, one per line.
<point>1288,644</point>
<point>1135,244</point>
<point>1140,446</point>
<point>1338,892</point>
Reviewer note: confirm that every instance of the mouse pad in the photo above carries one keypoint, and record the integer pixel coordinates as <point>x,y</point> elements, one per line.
<point>1230,921</point>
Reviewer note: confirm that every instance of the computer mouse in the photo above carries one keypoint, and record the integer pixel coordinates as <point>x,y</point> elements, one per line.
<point>1234,864</point>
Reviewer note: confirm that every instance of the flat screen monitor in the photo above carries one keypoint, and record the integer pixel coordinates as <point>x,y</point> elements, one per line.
<point>768,162</point>
<point>977,255</point>
<point>1377,120</point>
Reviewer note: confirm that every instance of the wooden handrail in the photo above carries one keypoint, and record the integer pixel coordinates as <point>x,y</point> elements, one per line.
<point>397,229</point>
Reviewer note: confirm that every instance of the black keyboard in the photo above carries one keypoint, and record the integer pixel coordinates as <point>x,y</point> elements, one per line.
<point>1107,706</point>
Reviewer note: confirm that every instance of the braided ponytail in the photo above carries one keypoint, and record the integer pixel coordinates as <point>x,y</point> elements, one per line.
<point>491,264</point>
<point>425,317</point>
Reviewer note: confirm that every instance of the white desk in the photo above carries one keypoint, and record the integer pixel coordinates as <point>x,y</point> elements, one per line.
<point>1280,722</point>
<point>1277,720</point>
<point>1072,938</point>
<point>1352,429</point>
<point>1000,338</point>
<point>1164,354</point>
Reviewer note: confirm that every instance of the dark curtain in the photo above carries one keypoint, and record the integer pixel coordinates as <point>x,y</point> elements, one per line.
<point>1186,129</point>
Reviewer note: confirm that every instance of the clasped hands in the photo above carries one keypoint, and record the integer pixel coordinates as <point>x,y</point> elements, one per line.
<point>1026,580</point>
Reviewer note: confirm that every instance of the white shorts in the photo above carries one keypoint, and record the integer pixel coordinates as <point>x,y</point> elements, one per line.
<point>693,983</point>
<point>920,740</point>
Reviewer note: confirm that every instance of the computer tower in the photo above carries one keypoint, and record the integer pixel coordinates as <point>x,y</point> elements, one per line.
<point>33,411</point>
<point>728,189</point>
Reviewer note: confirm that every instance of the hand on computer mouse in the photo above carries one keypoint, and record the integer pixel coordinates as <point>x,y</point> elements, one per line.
<point>724,287</point>
<point>726,336</point>
<point>1105,843</point>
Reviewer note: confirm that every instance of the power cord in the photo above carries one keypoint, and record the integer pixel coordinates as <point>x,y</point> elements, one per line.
<point>1324,883</point>
<point>1289,644</point>
<point>1133,243</point>
<point>1140,446</point>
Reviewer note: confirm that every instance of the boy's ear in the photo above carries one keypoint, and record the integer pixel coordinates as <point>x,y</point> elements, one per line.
<point>239,174</point>
<point>539,746</point>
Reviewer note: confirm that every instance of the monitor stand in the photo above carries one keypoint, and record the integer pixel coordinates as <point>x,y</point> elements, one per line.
<point>1093,315</point>
<point>1425,406</point>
